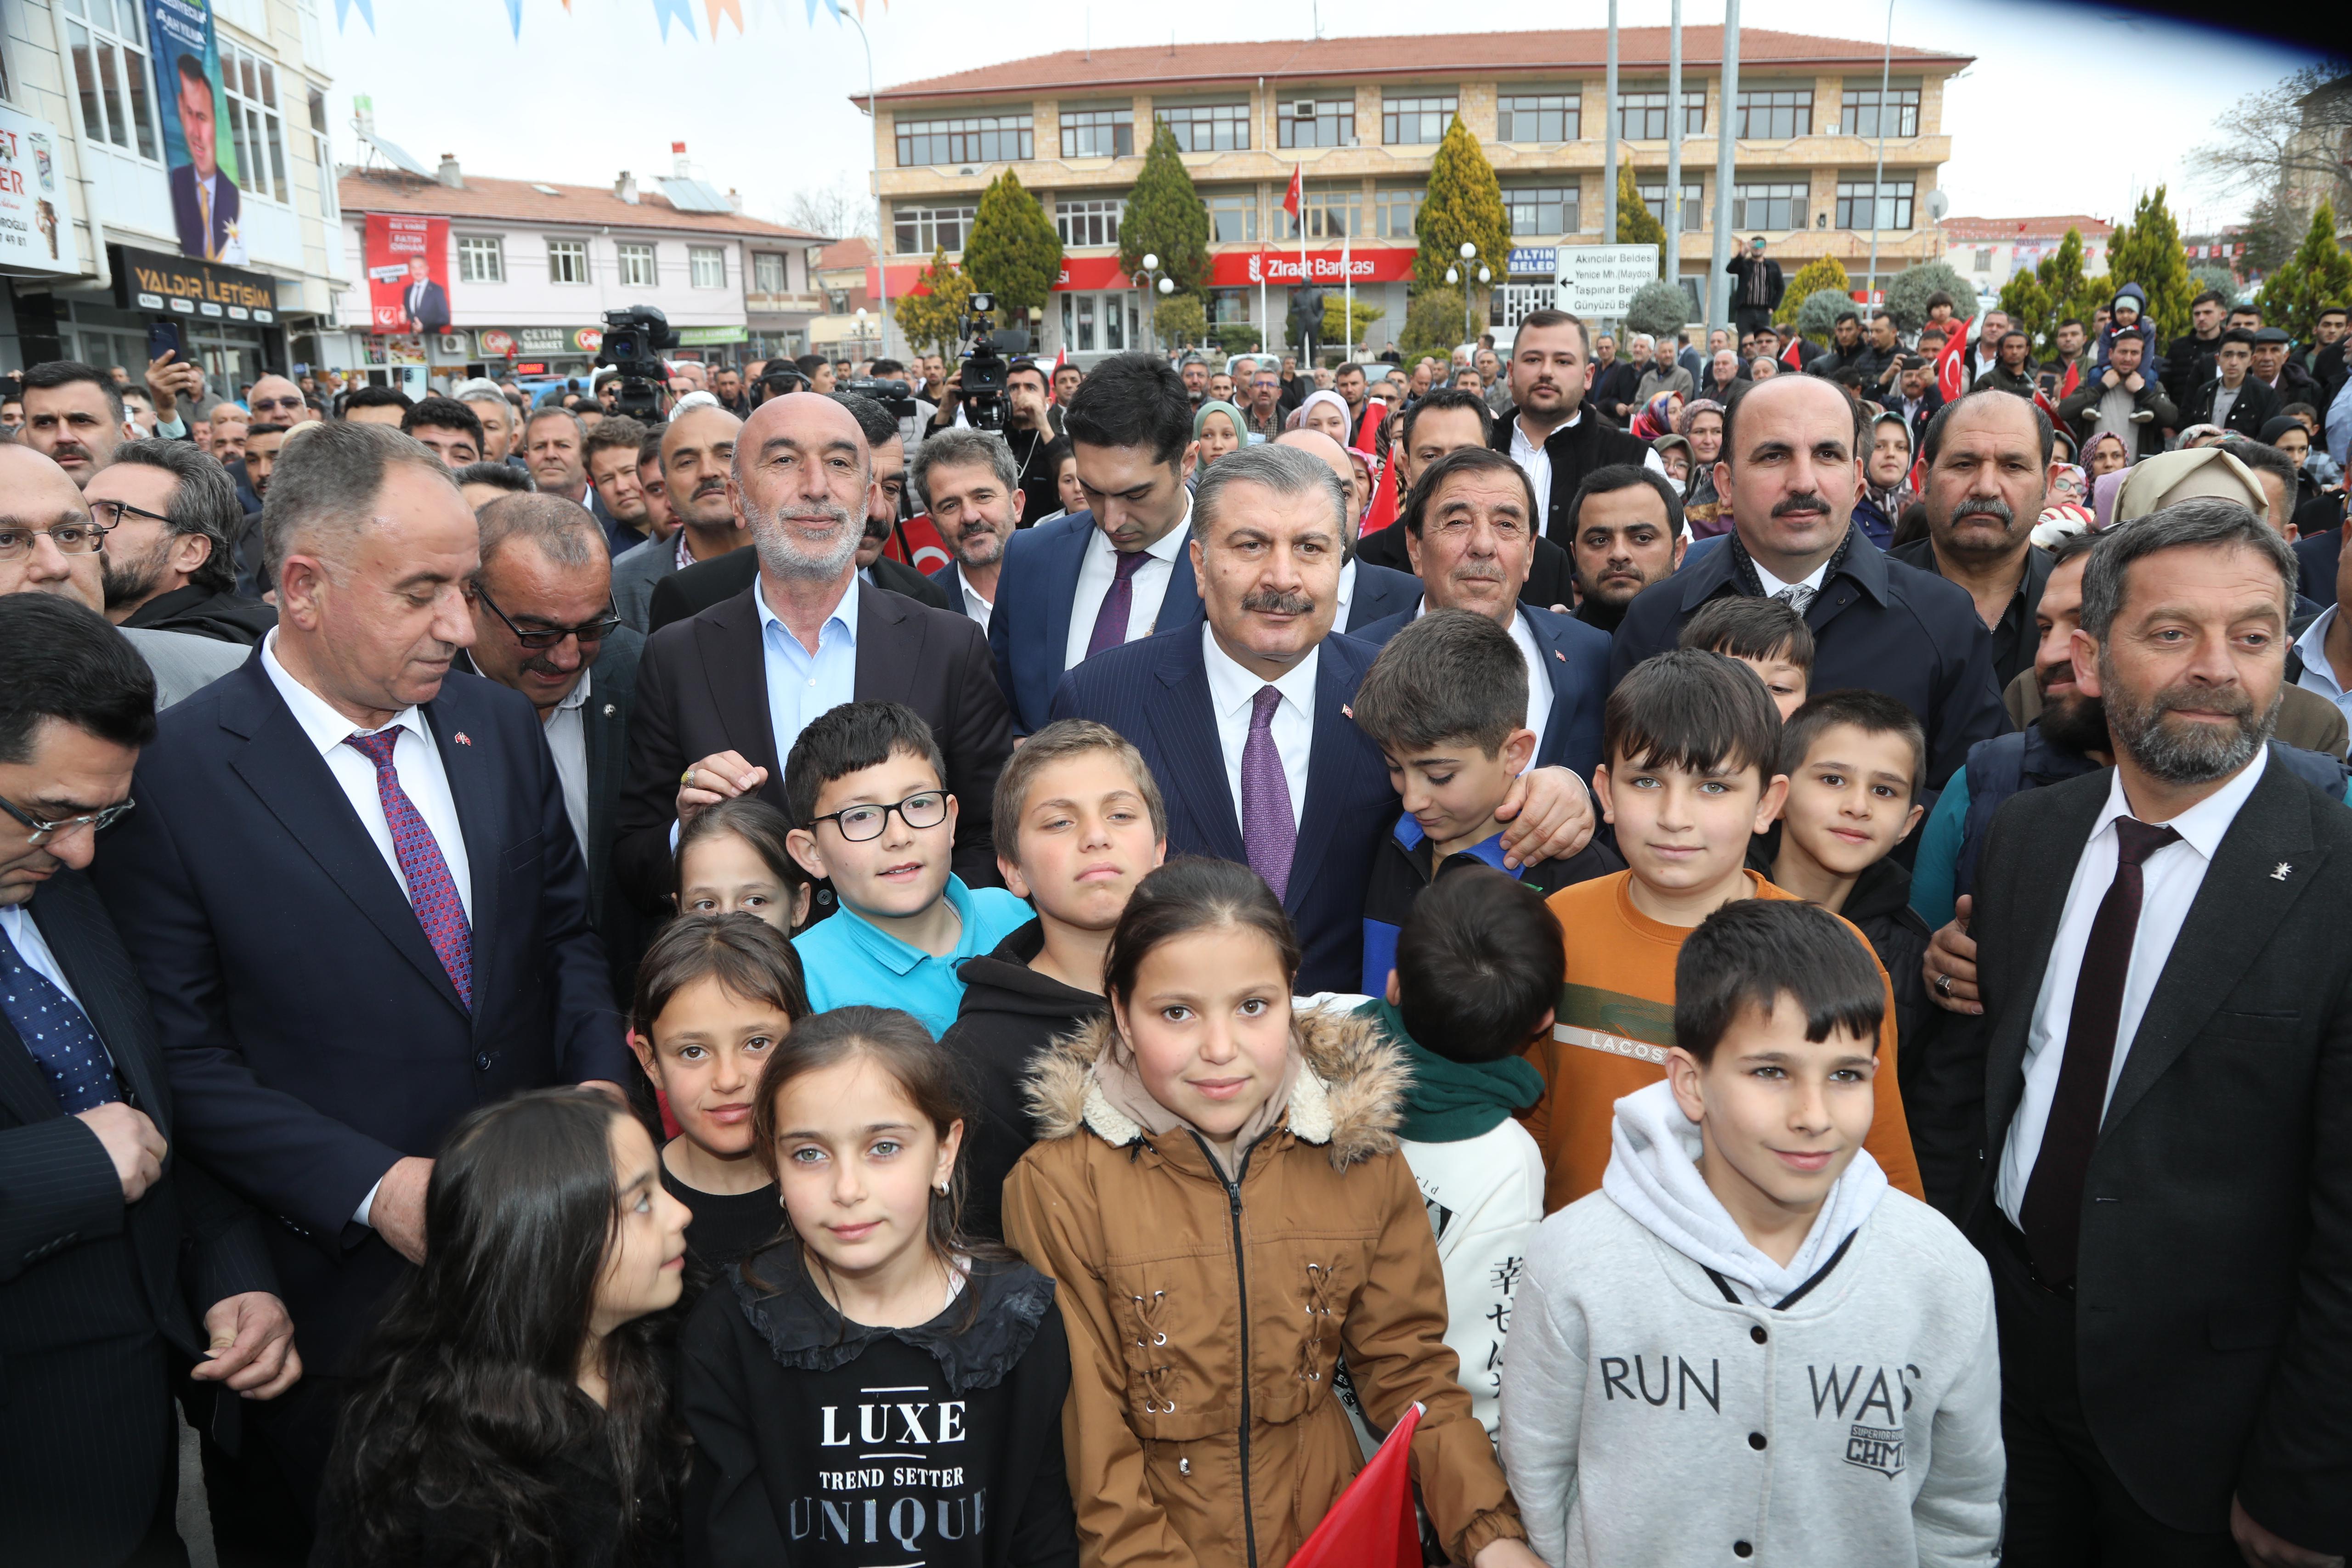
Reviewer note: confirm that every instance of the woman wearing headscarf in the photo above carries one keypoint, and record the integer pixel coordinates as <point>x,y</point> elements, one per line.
<point>1701,424</point>
<point>1219,427</point>
<point>1325,411</point>
<point>1887,479</point>
<point>2105,452</point>
<point>1657,417</point>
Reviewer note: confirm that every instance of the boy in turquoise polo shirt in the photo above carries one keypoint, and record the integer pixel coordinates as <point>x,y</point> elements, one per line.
<point>866,781</point>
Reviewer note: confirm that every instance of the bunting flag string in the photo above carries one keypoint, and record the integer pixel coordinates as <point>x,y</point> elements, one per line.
<point>714,9</point>
<point>665,9</point>
<point>343,11</point>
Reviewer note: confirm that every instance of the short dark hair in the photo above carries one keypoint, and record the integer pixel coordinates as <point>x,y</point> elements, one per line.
<point>1942,298</point>
<point>51,374</point>
<point>374,396</point>
<point>1539,319</point>
<point>808,364</point>
<point>1873,713</point>
<point>1448,674</point>
<point>66,662</point>
<point>204,501</point>
<point>615,432</point>
<point>1754,951</point>
<point>2238,335</point>
<point>1465,460</point>
<point>191,68</point>
<point>2264,458</point>
<point>1132,399</point>
<point>504,475</point>
<point>1043,372</point>
<point>855,736</point>
<point>1437,400</point>
<point>1194,892</point>
<point>874,421</point>
<point>2246,307</point>
<point>889,367</point>
<point>2045,433</point>
<point>1742,627</point>
<point>1691,709</point>
<point>264,427</point>
<point>1059,741</point>
<point>1742,391</point>
<point>1479,962</point>
<point>443,413</point>
<point>1613,477</point>
<point>650,449</point>
<point>2211,296</point>
<point>1842,317</point>
<point>2074,321</point>
<point>750,958</point>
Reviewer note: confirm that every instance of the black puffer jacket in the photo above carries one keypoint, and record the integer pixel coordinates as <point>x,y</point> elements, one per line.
<point>1880,907</point>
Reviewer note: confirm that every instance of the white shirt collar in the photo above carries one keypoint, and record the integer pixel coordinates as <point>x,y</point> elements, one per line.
<point>2202,826</point>
<point>2313,644</point>
<point>579,697</point>
<point>1165,546</point>
<point>1346,590</point>
<point>326,728</point>
<point>845,611</point>
<point>1773,585</point>
<point>1231,687</point>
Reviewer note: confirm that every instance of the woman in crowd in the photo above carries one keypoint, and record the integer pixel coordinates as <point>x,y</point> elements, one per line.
<point>1220,428</point>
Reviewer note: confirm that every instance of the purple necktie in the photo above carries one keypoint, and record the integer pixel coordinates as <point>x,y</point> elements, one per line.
<point>1110,620</point>
<point>431,890</point>
<point>1269,832</point>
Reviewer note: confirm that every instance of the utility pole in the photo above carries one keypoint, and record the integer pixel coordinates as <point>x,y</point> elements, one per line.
<point>1672,262</point>
<point>1878,173</point>
<point>1718,285</point>
<point>881,252</point>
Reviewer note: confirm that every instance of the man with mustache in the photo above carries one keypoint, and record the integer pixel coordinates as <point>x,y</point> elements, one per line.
<point>1547,432</point>
<point>74,416</point>
<point>2150,1120</point>
<point>972,488</point>
<point>1988,460</point>
<point>698,449</point>
<point>1791,467</point>
<point>723,697</point>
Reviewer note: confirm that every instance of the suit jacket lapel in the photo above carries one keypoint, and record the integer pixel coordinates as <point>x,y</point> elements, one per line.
<point>1181,606</point>
<point>2056,848</point>
<point>1189,752</point>
<point>1556,669</point>
<point>1328,761</point>
<point>1068,559</point>
<point>735,665</point>
<point>2238,907</point>
<point>604,735</point>
<point>886,649</point>
<point>23,1091</point>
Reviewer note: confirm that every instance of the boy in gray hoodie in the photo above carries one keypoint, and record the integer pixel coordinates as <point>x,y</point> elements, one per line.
<point>1746,1346</point>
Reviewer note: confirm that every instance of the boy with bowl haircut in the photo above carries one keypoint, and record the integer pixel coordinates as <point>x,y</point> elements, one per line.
<point>1854,761</point>
<point>1446,703</point>
<point>1692,744</point>
<point>872,814</point>
<point>1767,636</point>
<point>1079,822</point>
<point>1746,1300</point>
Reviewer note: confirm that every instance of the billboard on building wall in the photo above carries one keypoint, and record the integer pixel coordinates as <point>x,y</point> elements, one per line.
<point>36,225</point>
<point>199,155</point>
<point>407,264</point>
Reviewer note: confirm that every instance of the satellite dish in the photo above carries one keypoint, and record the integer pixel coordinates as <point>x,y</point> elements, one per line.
<point>1938,205</point>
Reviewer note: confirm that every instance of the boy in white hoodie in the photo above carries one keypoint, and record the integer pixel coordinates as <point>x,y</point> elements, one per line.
<point>1746,1347</point>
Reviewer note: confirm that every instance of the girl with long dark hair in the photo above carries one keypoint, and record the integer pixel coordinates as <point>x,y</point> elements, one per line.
<point>516,1407</point>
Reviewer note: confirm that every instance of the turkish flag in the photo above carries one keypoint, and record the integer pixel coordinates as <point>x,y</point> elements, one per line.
<point>1951,375</point>
<point>1294,200</point>
<point>2073,380</point>
<point>1793,356</point>
<point>2042,401</point>
<point>916,542</point>
<point>1371,1525</point>
<point>1383,509</point>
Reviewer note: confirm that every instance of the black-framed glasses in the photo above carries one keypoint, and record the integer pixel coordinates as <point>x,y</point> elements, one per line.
<point>122,509</point>
<point>595,630</point>
<point>71,539</point>
<point>290,404</point>
<point>928,809</point>
<point>38,830</point>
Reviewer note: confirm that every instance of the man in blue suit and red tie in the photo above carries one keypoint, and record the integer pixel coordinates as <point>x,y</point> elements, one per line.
<point>357,906</point>
<point>1244,719</point>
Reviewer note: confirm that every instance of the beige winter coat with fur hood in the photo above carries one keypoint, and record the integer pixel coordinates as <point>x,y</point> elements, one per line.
<point>1205,1321</point>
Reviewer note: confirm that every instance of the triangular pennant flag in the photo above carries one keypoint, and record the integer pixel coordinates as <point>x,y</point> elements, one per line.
<point>1793,356</point>
<point>514,16</point>
<point>343,11</point>
<point>1371,1524</point>
<point>714,9</point>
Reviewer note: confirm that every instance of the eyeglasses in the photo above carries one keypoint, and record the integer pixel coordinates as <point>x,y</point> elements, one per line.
<point>122,509</point>
<point>595,630</point>
<point>71,539</point>
<point>38,831</point>
<point>859,823</point>
<point>292,405</point>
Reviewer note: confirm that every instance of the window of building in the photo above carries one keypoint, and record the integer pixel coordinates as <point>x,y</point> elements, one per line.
<point>1416,121</point>
<point>1208,127</point>
<point>1332,212</point>
<point>1537,117</point>
<point>108,41</point>
<point>1859,110</point>
<point>253,15</point>
<point>1316,122</point>
<point>1099,133</point>
<point>1984,252</point>
<point>1775,114</point>
<point>836,301</point>
<point>1694,214</point>
<point>1641,115</point>
<point>1893,205</point>
<point>1106,322</point>
<point>253,122</point>
<point>481,258</point>
<point>1395,208</point>
<point>1544,209</point>
<point>707,265</point>
<point>567,261</point>
<point>971,138</point>
<point>322,148</point>
<point>919,231</point>
<point>637,264</point>
<point>1769,206</point>
<point>1232,218</point>
<point>768,274</point>
<point>1093,220</point>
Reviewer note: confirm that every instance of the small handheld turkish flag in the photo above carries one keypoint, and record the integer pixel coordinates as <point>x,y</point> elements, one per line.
<point>1793,356</point>
<point>1294,200</point>
<point>1951,375</point>
<point>2074,379</point>
<point>1371,1525</point>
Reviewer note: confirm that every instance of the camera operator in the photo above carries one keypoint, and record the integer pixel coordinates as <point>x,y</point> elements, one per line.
<point>1029,432</point>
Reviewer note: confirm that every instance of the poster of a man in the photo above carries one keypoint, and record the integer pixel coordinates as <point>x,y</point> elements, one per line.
<point>204,173</point>
<point>426,302</point>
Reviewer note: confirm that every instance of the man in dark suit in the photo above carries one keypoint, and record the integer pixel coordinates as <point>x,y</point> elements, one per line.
<point>1243,720</point>
<point>2160,1146</point>
<point>1552,429</point>
<point>1471,526</point>
<point>723,697</point>
<point>1120,570</point>
<point>357,902</point>
<point>544,624</point>
<point>1448,420</point>
<point>969,484</point>
<point>119,1260</point>
<point>694,473</point>
<point>1367,593</point>
<point>203,198</point>
<point>425,302</point>
<point>1790,469</point>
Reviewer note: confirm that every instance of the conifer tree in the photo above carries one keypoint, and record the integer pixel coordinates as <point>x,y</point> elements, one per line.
<point>1464,203</point>
<point>933,319</point>
<point>1166,217</point>
<point>1635,225</point>
<point>2318,273</point>
<point>2148,252</point>
<point>1012,252</point>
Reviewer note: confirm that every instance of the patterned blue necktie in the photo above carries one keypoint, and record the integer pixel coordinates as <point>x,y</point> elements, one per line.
<point>57,1032</point>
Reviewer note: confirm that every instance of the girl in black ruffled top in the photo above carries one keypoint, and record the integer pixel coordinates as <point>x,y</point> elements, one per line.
<point>872,1390</point>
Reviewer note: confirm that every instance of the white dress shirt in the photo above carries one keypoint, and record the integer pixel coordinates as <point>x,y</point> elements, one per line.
<point>1538,683</point>
<point>974,606</point>
<point>2318,675</point>
<point>1773,585</point>
<point>2168,883</point>
<point>567,738</point>
<point>25,935</point>
<point>1147,588</point>
<point>1233,693</point>
<point>1531,456</point>
<point>1346,595</point>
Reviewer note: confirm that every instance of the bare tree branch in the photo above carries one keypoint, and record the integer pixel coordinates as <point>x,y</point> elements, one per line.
<point>2296,134</point>
<point>839,210</point>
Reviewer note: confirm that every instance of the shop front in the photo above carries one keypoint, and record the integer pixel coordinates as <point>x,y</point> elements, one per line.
<point>528,353</point>
<point>227,317</point>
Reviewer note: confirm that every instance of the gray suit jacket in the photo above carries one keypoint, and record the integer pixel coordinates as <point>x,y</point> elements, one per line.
<point>634,574</point>
<point>184,662</point>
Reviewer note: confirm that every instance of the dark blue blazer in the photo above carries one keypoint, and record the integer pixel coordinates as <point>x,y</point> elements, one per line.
<point>311,1034</point>
<point>1155,692</point>
<point>1383,593</point>
<point>1029,629</point>
<point>2318,556</point>
<point>1576,657</point>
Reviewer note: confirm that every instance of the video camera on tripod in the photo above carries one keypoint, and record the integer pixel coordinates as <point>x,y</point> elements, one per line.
<point>983,367</point>
<point>634,339</point>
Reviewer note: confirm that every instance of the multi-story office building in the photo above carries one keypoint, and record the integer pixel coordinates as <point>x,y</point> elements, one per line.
<point>1988,252</point>
<point>1363,118</point>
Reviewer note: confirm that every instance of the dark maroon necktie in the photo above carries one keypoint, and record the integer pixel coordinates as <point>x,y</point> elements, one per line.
<point>1117,605</point>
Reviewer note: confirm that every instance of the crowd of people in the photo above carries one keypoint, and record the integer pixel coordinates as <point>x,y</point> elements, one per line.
<point>853,974</point>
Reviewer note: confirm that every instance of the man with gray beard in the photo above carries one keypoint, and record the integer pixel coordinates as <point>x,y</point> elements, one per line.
<point>722,695</point>
<point>1988,459</point>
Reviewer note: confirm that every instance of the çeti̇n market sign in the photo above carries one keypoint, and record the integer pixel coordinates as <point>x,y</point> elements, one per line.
<point>146,280</point>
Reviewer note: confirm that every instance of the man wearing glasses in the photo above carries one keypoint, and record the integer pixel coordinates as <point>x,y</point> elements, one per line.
<point>544,624</point>
<point>277,400</point>
<point>170,513</point>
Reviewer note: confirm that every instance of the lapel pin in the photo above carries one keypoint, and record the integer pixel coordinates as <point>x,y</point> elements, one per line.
<point>1348,711</point>
<point>1560,656</point>
<point>2280,873</point>
<point>462,739</point>
<point>610,710</point>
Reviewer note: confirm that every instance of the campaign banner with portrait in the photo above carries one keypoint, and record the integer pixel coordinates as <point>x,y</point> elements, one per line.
<point>36,225</point>
<point>200,162</point>
<point>407,261</point>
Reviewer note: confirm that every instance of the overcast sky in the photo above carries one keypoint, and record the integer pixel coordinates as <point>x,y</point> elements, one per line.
<point>2043,122</point>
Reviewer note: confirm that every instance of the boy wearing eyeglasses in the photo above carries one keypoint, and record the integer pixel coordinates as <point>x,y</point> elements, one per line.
<point>872,814</point>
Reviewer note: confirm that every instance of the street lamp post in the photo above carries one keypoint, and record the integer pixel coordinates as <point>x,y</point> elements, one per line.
<point>881,257</point>
<point>1461,275</point>
<point>1154,282</point>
